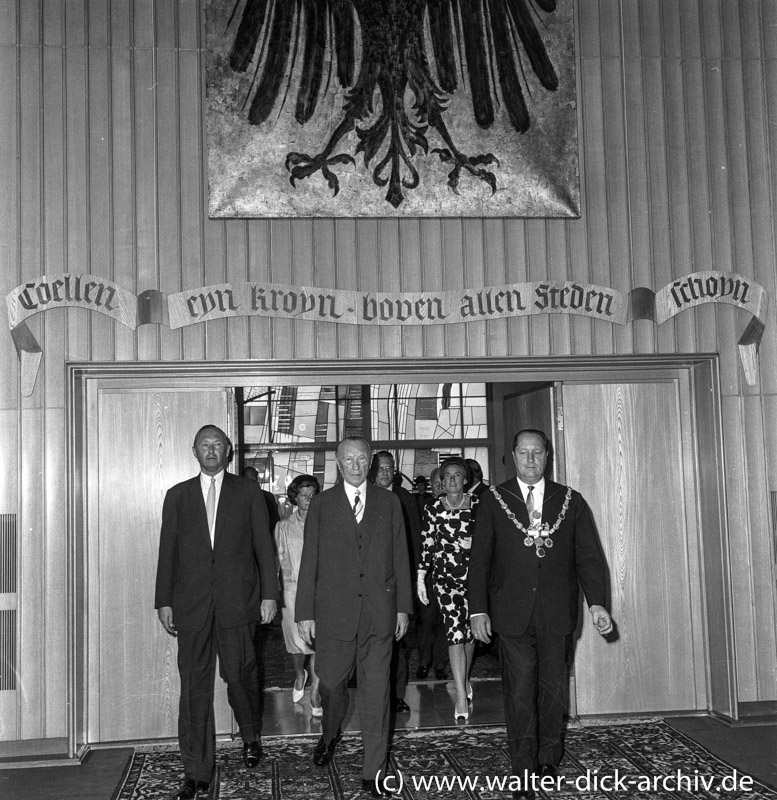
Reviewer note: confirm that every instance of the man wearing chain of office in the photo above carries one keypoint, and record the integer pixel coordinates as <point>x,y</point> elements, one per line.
<point>533,543</point>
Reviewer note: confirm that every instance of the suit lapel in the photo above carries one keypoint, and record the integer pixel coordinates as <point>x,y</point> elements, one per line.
<point>511,494</point>
<point>552,502</point>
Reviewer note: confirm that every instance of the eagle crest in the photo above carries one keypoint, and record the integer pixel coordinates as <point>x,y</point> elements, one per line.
<point>398,63</point>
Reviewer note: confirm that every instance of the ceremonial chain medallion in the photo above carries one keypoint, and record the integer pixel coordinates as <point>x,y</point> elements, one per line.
<point>537,534</point>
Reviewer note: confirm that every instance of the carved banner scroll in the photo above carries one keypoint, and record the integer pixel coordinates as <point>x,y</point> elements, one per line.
<point>284,301</point>
<point>380,308</point>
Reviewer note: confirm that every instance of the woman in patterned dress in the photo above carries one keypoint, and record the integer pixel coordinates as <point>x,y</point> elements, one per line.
<point>445,551</point>
<point>289,534</point>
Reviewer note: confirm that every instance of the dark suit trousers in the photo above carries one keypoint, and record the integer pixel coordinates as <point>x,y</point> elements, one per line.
<point>535,683</point>
<point>334,664</point>
<point>430,630</point>
<point>197,653</point>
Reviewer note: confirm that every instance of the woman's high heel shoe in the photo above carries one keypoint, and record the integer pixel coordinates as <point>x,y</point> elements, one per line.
<point>470,692</point>
<point>298,694</point>
<point>457,715</point>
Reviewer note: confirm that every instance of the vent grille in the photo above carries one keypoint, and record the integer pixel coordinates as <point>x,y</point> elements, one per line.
<point>7,650</point>
<point>7,553</point>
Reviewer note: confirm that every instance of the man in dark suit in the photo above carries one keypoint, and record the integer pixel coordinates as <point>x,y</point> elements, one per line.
<point>477,485</point>
<point>274,517</point>
<point>382,474</point>
<point>534,541</point>
<point>216,578</point>
<point>354,598</point>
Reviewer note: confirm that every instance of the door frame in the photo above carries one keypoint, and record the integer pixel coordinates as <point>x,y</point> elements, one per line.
<point>700,372</point>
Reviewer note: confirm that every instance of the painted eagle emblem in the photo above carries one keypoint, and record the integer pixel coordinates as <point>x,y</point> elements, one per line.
<point>399,63</point>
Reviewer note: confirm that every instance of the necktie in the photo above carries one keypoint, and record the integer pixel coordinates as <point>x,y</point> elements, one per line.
<point>210,505</point>
<point>530,503</point>
<point>357,506</point>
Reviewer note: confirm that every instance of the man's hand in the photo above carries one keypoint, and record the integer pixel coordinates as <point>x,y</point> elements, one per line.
<point>269,609</point>
<point>403,620</point>
<point>166,618</point>
<point>420,587</point>
<point>307,631</point>
<point>481,627</point>
<point>601,619</point>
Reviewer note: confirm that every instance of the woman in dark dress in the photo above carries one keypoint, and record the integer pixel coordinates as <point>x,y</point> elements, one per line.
<point>445,552</point>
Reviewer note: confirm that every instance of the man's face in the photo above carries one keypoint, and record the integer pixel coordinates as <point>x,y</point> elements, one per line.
<point>385,474</point>
<point>353,459</point>
<point>530,457</point>
<point>211,449</point>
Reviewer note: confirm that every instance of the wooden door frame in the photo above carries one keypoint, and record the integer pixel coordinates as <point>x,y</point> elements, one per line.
<point>85,379</point>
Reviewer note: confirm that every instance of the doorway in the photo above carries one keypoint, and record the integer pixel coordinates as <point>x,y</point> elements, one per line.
<point>625,393</point>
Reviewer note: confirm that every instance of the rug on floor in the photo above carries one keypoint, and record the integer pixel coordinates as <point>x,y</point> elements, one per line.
<point>635,760</point>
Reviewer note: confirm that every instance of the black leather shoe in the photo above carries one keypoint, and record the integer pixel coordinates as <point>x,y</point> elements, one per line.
<point>370,787</point>
<point>441,673</point>
<point>324,752</point>
<point>252,752</point>
<point>189,789</point>
<point>422,672</point>
<point>401,707</point>
<point>548,771</point>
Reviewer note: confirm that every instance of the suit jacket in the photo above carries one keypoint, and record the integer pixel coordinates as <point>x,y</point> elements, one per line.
<point>337,578</point>
<point>237,573</point>
<point>412,519</point>
<point>506,577</point>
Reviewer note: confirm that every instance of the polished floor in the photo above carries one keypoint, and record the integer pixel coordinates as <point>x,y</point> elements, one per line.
<point>750,749</point>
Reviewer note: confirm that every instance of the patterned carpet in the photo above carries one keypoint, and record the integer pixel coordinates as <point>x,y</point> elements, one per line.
<point>637,760</point>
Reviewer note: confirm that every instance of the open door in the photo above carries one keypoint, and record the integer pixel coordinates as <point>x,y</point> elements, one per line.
<point>139,448</point>
<point>624,449</point>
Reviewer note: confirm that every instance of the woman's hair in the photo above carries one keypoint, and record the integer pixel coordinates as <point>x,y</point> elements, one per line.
<point>457,461</point>
<point>300,482</point>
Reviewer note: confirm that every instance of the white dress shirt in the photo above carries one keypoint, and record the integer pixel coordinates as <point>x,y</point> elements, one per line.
<point>205,486</point>
<point>350,493</point>
<point>538,494</point>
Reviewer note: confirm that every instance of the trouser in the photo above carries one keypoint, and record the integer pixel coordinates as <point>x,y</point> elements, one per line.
<point>430,631</point>
<point>197,652</point>
<point>335,659</point>
<point>535,684</point>
<point>399,677</point>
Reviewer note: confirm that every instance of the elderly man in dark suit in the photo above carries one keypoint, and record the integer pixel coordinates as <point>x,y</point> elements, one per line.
<point>216,578</point>
<point>354,598</point>
<point>534,541</point>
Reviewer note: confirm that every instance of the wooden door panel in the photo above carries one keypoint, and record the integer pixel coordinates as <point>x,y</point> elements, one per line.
<point>144,448</point>
<point>623,450</point>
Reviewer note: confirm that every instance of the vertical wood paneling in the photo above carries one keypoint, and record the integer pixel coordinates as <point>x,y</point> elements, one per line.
<point>431,264</point>
<point>495,257</point>
<point>410,281</point>
<point>32,589</point>
<point>474,265</point>
<point>346,270</point>
<point>236,257</point>
<point>762,547</point>
<point>452,232</point>
<point>741,545</point>
<point>516,271</point>
<point>324,262</point>
<point>388,280</point>
<point>193,197</point>
<point>76,211</point>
